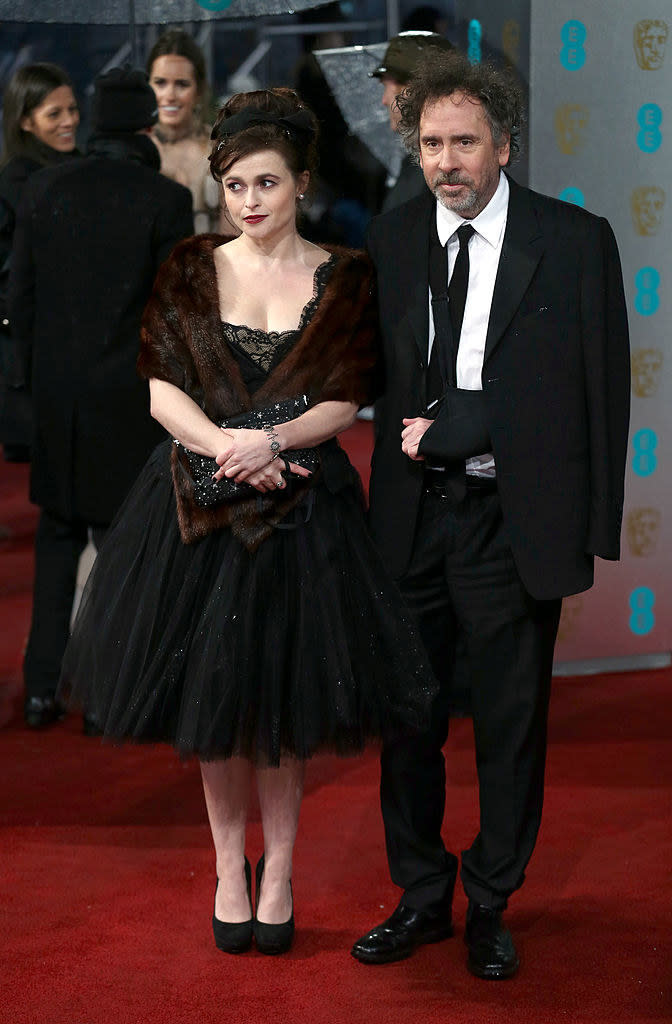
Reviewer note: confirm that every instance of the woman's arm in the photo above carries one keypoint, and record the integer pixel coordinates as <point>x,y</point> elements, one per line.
<point>184,420</point>
<point>324,420</point>
<point>250,449</point>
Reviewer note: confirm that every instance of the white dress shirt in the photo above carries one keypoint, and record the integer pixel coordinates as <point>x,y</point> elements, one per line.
<point>485,247</point>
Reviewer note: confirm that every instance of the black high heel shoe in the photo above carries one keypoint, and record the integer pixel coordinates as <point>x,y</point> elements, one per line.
<point>233,937</point>
<point>272,939</point>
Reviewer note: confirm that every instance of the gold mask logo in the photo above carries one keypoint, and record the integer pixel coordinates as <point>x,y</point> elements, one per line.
<point>647,364</point>
<point>647,204</point>
<point>511,41</point>
<point>643,530</point>
<point>569,617</point>
<point>650,39</point>
<point>571,122</point>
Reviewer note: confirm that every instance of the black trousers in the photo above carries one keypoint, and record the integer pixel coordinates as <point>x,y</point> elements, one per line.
<point>58,546</point>
<point>462,584</point>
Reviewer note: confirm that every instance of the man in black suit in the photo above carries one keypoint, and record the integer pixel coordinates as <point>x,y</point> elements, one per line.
<point>497,477</point>
<point>90,237</point>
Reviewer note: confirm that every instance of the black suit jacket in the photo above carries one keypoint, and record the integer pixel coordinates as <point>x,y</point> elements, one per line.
<point>555,380</point>
<point>90,237</point>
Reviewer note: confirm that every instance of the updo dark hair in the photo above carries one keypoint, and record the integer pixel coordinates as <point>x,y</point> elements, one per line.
<point>291,131</point>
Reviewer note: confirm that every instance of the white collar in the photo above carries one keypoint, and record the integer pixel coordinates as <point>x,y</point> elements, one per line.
<point>489,223</point>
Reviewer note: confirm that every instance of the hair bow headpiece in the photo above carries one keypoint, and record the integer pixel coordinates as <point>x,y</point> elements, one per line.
<point>295,125</point>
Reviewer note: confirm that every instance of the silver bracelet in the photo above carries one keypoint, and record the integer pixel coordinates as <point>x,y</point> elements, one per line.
<point>273,442</point>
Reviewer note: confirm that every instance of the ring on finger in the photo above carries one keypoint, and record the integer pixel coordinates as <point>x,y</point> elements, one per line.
<point>280,483</point>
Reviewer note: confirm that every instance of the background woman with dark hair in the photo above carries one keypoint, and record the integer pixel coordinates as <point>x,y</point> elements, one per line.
<point>39,120</point>
<point>253,632</point>
<point>177,74</point>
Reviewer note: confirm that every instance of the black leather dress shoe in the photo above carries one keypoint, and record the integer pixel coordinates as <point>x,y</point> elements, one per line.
<point>39,712</point>
<point>492,954</point>
<point>402,933</point>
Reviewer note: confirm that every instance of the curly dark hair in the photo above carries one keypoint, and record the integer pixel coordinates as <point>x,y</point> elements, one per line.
<point>299,150</point>
<point>448,73</point>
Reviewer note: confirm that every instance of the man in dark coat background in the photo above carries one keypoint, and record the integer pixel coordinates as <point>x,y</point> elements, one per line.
<point>90,237</point>
<point>497,478</point>
<point>402,56</point>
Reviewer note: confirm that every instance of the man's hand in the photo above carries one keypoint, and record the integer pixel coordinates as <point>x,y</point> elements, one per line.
<point>412,435</point>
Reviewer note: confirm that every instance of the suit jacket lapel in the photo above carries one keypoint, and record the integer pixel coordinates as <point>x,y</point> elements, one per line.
<point>522,249</point>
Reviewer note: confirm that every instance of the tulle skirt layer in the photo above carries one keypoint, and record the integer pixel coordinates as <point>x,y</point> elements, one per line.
<point>300,646</point>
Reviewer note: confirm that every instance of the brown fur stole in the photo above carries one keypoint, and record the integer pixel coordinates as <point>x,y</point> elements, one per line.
<point>183,343</point>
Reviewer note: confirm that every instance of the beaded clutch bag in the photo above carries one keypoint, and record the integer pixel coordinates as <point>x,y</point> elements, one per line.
<point>200,468</point>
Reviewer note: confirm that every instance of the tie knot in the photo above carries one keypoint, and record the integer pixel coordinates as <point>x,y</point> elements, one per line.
<point>464,233</point>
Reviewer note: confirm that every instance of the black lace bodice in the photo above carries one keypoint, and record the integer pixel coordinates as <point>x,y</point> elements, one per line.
<point>258,352</point>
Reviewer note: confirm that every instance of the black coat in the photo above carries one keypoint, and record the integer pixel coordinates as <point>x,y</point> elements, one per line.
<point>13,177</point>
<point>409,184</point>
<point>556,385</point>
<point>15,412</point>
<point>90,237</point>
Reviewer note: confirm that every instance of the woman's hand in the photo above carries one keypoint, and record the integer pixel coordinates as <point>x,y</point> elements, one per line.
<point>249,458</point>
<point>248,453</point>
<point>271,478</point>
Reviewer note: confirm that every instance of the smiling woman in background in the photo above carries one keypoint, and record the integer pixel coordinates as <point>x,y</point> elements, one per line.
<point>176,69</point>
<point>40,119</point>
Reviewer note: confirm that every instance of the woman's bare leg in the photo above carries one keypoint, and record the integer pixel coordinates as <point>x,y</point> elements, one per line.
<point>280,793</point>
<point>226,785</point>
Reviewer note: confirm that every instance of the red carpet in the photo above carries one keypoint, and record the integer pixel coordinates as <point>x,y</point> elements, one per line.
<point>107,870</point>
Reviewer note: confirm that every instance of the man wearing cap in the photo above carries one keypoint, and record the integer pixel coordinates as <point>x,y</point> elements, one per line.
<point>402,56</point>
<point>90,237</point>
<point>497,478</point>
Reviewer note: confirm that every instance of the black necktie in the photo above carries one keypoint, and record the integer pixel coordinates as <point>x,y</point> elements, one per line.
<point>438,370</point>
<point>457,289</point>
<point>446,303</point>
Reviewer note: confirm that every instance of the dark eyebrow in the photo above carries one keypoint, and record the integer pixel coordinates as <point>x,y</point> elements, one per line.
<point>257,177</point>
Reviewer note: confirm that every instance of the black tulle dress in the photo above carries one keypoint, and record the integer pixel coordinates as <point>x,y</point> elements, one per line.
<point>299,646</point>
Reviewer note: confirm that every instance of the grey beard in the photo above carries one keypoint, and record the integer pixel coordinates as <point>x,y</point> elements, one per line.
<point>458,204</point>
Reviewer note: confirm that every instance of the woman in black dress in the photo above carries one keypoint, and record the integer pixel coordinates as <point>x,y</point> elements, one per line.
<point>255,632</point>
